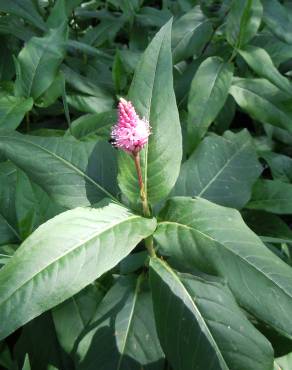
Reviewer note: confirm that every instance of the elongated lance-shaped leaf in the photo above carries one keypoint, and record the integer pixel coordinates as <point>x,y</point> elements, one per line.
<point>153,97</point>
<point>263,101</point>
<point>38,62</point>
<point>243,21</point>
<point>221,169</point>
<point>73,173</point>
<point>200,325</point>
<point>215,239</point>
<point>124,327</point>
<point>208,93</point>
<point>260,61</point>
<point>62,257</point>
<point>12,111</point>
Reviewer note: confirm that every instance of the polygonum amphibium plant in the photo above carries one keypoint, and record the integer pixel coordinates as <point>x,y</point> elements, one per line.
<point>156,235</point>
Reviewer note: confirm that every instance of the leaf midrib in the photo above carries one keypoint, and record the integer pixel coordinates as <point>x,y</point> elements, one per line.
<point>230,250</point>
<point>67,253</point>
<point>223,168</point>
<point>67,163</point>
<point>203,321</point>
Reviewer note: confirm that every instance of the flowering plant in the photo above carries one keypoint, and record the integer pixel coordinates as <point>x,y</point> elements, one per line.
<point>155,236</point>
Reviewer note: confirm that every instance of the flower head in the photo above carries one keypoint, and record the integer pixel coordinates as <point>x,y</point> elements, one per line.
<point>131,132</point>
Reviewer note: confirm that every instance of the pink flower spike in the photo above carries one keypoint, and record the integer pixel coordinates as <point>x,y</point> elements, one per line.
<point>131,132</point>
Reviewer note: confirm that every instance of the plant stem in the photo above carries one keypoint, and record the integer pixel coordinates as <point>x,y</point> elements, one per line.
<point>143,196</point>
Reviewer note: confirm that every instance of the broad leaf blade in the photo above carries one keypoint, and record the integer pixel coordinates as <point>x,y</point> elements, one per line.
<point>215,239</point>
<point>73,173</point>
<point>62,257</point>
<point>208,93</point>
<point>260,61</point>
<point>208,329</point>
<point>38,63</point>
<point>263,101</point>
<point>232,168</point>
<point>12,111</point>
<point>272,196</point>
<point>128,335</point>
<point>243,21</point>
<point>153,97</point>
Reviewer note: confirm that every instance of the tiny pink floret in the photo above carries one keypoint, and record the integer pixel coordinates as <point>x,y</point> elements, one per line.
<point>131,132</point>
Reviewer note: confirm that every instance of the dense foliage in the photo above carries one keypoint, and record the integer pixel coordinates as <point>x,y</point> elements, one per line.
<point>212,290</point>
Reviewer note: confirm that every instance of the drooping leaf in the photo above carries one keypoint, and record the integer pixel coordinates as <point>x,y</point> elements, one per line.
<point>208,93</point>
<point>153,97</point>
<point>38,62</point>
<point>12,111</point>
<point>73,173</point>
<point>215,239</point>
<point>260,61</point>
<point>222,170</point>
<point>73,316</point>
<point>278,21</point>
<point>243,21</point>
<point>62,257</point>
<point>23,9</point>
<point>272,196</point>
<point>190,34</point>
<point>263,101</point>
<point>280,165</point>
<point>128,335</point>
<point>200,325</point>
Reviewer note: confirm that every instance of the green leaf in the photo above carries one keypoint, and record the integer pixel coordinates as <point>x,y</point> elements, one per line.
<point>277,20</point>
<point>272,196</point>
<point>8,221</point>
<point>263,101</point>
<point>284,362</point>
<point>99,124</point>
<point>222,170</point>
<point>208,330</point>
<point>12,111</point>
<point>33,205</point>
<point>215,239</point>
<point>260,61</point>
<point>243,21</point>
<point>153,97</point>
<point>190,34</point>
<point>62,257</point>
<point>23,9</point>
<point>61,11</point>
<point>73,173</point>
<point>208,93</point>
<point>128,335</point>
<point>37,64</point>
<point>72,317</point>
<point>280,165</point>
<point>26,364</point>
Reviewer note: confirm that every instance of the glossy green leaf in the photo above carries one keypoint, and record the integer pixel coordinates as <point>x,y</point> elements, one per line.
<point>153,97</point>
<point>272,196</point>
<point>23,9</point>
<point>62,257</point>
<point>212,238</point>
<point>208,330</point>
<point>12,111</point>
<point>280,165</point>
<point>38,63</point>
<point>277,19</point>
<point>243,21</point>
<point>263,101</point>
<point>208,93</point>
<point>190,34</point>
<point>222,170</point>
<point>71,172</point>
<point>260,61</point>
<point>73,316</point>
<point>33,205</point>
<point>99,124</point>
<point>128,335</point>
